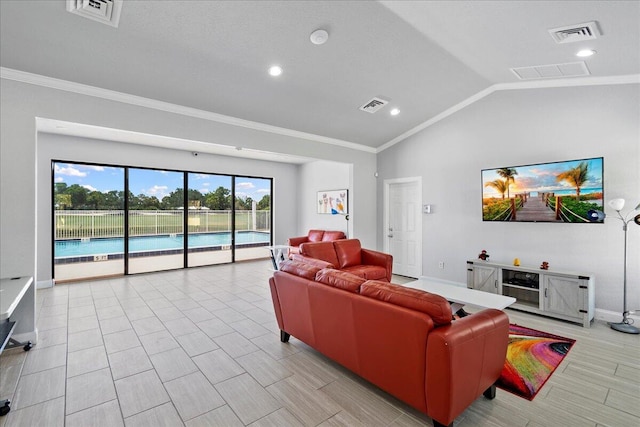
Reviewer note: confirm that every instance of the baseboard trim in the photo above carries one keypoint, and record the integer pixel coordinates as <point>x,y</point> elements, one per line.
<point>613,316</point>
<point>43,284</point>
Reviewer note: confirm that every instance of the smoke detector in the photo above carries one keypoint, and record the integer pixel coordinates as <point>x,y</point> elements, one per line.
<point>105,11</point>
<point>575,33</point>
<point>374,105</point>
<point>319,37</point>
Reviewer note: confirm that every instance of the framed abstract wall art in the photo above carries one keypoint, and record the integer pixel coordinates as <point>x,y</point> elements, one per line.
<point>333,202</point>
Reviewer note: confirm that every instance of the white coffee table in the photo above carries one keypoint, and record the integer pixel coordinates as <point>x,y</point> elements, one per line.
<point>461,296</point>
<point>278,253</point>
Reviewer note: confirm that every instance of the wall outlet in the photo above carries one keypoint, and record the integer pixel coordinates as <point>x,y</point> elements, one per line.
<point>441,264</point>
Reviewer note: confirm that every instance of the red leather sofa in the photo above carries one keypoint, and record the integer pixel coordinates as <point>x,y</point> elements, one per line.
<point>313,236</point>
<point>402,340</point>
<point>348,255</point>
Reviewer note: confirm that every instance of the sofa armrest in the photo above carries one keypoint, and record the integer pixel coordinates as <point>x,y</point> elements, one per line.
<point>297,241</point>
<point>371,257</point>
<point>294,245</point>
<point>463,360</point>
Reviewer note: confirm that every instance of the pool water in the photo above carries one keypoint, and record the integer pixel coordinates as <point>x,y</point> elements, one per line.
<point>74,248</point>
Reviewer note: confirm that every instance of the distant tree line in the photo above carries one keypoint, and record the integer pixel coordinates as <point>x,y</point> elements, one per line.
<point>77,197</point>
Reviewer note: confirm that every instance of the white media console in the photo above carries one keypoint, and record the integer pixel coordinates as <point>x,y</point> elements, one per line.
<point>560,294</point>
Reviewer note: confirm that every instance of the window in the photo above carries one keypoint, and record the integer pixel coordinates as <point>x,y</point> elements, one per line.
<point>98,232</point>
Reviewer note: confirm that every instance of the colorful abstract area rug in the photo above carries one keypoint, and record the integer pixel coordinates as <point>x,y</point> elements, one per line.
<point>532,356</point>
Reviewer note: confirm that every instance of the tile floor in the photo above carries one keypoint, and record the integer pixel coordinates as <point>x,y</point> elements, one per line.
<point>200,347</point>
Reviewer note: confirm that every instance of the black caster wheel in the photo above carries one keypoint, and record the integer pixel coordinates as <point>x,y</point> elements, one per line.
<point>4,410</point>
<point>28,346</point>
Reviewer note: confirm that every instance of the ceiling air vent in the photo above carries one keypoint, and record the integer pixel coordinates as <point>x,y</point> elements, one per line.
<point>105,11</point>
<point>374,105</point>
<point>551,71</point>
<point>575,33</point>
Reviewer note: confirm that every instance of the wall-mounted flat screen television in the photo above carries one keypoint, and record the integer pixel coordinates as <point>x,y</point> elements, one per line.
<point>544,192</point>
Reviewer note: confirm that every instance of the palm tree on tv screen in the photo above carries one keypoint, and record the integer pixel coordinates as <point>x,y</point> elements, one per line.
<point>575,176</point>
<point>509,176</point>
<point>500,186</point>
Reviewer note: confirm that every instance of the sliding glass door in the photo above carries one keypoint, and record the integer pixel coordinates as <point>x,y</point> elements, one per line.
<point>156,220</point>
<point>252,217</point>
<point>110,220</point>
<point>209,237</point>
<point>88,220</point>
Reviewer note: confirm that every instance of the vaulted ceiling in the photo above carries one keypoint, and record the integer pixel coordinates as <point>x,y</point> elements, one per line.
<point>422,56</point>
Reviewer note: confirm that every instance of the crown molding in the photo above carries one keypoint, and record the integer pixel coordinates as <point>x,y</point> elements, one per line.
<point>571,82</point>
<point>534,84</point>
<point>82,89</point>
<point>68,86</point>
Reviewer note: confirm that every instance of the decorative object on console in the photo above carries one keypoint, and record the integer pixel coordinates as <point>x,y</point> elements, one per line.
<point>544,265</point>
<point>626,325</point>
<point>333,202</point>
<point>483,255</point>
<point>532,356</point>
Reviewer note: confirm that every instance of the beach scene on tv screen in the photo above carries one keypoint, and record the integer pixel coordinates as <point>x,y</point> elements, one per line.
<point>547,192</point>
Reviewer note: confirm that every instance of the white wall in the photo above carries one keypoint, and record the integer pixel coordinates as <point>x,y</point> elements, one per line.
<point>318,176</point>
<point>510,128</point>
<point>67,148</point>
<point>21,103</point>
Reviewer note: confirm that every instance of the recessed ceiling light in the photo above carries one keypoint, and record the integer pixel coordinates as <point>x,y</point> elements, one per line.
<point>585,53</point>
<point>394,112</point>
<point>275,70</point>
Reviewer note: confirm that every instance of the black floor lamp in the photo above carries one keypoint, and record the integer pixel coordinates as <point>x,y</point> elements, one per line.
<point>627,324</point>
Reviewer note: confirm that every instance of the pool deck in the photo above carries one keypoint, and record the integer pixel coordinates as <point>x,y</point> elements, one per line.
<point>115,267</point>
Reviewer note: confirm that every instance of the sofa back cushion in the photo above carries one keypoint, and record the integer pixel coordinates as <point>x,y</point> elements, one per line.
<point>301,269</point>
<point>320,250</point>
<point>315,235</point>
<point>340,279</point>
<point>330,236</point>
<point>435,306</point>
<point>348,252</point>
<point>313,261</point>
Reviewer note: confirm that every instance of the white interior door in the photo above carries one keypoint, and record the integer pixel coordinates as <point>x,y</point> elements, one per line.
<point>403,225</point>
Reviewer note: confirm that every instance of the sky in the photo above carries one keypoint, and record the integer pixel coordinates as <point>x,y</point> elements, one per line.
<point>153,182</point>
<point>542,177</point>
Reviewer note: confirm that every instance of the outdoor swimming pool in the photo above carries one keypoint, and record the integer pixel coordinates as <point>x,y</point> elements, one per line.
<point>100,246</point>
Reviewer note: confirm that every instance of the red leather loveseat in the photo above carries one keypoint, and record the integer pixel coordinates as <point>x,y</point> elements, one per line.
<point>400,339</point>
<point>348,255</point>
<point>313,236</point>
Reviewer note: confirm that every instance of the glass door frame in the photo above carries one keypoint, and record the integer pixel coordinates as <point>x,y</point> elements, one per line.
<point>126,210</point>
